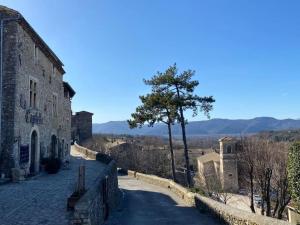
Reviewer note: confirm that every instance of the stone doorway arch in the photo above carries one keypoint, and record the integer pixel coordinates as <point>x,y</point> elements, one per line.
<point>34,152</point>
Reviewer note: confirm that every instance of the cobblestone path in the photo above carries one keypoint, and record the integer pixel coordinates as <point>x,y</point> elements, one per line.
<point>146,204</point>
<point>43,199</point>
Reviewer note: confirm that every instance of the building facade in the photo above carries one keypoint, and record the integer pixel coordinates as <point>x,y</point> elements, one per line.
<point>35,101</point>
<point>82,126</point>
<point>220,170</point>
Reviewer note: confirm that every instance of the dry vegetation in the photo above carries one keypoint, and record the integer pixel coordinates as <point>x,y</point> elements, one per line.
<point>149,154</point>
<point>262,163</point>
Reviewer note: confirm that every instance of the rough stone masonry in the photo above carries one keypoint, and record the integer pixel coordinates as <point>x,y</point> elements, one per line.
<point>35,101</point>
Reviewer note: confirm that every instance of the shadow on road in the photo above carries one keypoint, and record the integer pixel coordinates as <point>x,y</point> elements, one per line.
<point>145,204</point>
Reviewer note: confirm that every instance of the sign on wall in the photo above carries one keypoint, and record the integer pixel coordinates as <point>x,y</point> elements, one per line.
<point>24,153</point>
<point>33,117</point>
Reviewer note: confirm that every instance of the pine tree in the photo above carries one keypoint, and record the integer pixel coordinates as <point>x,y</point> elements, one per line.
<point>183,87</point>
<point>156,108</point>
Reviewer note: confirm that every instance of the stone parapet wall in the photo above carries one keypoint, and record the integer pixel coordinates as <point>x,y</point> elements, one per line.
<point>226,214</point>
<point>94,206</point>
<point>87,152</point>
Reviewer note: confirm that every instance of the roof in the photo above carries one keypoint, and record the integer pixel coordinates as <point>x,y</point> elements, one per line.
<point>34,35</point>
<point>212,156</point>
<point>8,11</point>
<point>84,112</point>
<point>70,89</point>
<point>226,139</point>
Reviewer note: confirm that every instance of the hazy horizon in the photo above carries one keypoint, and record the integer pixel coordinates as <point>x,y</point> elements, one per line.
<point>193,120</point>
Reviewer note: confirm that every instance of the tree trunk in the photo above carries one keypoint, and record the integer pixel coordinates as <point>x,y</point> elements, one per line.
<point>276,206</point>
<point>282,208</point>
<point>172,153</point>
<point>262,207</point>
<point>268,189</point>
<point>284,198</point>
<point>186,153</point>
<point>251,189</point>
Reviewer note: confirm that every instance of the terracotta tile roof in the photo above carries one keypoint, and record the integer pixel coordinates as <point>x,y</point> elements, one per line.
<point>227,139</point>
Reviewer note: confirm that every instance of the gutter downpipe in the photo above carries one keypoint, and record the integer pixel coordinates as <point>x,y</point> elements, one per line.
<point>1,71</point>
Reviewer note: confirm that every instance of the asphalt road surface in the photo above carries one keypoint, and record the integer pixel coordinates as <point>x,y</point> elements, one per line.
<point>146,204</point>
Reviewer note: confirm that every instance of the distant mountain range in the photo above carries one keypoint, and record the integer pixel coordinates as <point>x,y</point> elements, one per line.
<point>203,128</point>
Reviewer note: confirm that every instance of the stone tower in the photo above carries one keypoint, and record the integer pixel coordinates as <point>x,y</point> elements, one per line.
<point>82,123</point>
<point>228,164</point>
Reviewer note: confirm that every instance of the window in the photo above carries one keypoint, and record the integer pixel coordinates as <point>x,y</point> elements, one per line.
<point>229,149</point>
<point>53,70</point>
<point>36,53</point>
<point>33,94</point>
<point>54,105</point>
<point>52,74</point>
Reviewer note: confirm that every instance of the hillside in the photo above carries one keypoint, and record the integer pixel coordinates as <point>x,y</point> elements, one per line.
<point>204,128</point>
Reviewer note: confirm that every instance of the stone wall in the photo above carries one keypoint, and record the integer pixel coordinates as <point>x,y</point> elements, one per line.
<point>226,214</point>
<point>55,114</point>
<point>98,201</point>
<point>294,216</point>
<point>8,95</point>
<point>27,59</point>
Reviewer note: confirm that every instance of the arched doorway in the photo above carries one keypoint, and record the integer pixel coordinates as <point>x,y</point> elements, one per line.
<point>53,146</point>
<point>33,152</point>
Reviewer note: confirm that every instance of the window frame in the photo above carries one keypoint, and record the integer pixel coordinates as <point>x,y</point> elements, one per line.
<point>33,93</point>
<point>229,149</point>
<point>36,53</point>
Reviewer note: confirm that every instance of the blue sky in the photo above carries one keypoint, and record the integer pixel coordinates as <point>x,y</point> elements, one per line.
<point>246,52</point>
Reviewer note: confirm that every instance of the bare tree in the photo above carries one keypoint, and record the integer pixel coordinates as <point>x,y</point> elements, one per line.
<point>280,178</point>
<point>215,190</point>
<point>246,156</point>
<point>265,165</point>
<point>263,170</point>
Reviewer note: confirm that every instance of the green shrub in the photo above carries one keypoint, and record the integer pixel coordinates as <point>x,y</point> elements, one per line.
<point>198,190</point>
<point>294,173</point>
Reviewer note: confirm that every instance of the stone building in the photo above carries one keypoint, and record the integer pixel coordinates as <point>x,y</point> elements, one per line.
<point>82,125</point>
<point>35,102</point>
<point>219,169</point>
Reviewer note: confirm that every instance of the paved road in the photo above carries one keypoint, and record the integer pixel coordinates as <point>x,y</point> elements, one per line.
<point>42,200</point>
<point>146,204</point>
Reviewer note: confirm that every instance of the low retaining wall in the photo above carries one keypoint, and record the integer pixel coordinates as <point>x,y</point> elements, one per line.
<point>94,206</point>
<point>226,214</point>
<point>294,216</point>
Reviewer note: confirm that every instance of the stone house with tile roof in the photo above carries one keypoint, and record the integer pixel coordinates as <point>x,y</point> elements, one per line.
<point>35,102</point>
<point>219,169</point>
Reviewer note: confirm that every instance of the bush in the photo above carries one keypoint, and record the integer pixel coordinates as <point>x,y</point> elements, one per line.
<point>294,173</point>
<point>198,190</point>
<point>52,165</point>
